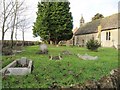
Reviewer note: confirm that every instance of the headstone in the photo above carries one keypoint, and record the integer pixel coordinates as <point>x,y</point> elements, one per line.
<point>43,49</point>
<point>23,61</point>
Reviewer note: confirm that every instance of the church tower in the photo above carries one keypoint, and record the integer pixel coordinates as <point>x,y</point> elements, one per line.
<point>82,21</point>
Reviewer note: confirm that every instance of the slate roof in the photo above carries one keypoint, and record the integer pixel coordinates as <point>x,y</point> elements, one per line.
<point>107,23</point>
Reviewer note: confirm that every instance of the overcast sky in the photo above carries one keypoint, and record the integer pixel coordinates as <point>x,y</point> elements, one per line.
<point>87,8</point>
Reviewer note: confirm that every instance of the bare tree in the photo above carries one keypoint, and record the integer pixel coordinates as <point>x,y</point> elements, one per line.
<point>14,20</point>
<point>24,26</point>
<point>6,13</point>
<point>18,10</point>
<point>9,15</point>
<point>16,30</point>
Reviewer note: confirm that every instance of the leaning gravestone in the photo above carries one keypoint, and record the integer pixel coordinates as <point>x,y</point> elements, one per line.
<point>43,49</point>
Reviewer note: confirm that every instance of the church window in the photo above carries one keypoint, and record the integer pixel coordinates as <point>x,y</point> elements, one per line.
<point>108,35</point>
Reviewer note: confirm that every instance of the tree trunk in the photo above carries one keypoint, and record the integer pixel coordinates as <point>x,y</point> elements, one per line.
<point>3,26</point>
<point>12,38</point>
<point>3,34</point>
<point>56,42</point>
<point>73,41</point>
<point>14,21</point>
<point>48,41</point>
<point>16,35</point>
<point>23,38</point>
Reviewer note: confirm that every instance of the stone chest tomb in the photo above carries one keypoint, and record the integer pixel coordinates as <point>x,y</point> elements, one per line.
<point>21,66</point>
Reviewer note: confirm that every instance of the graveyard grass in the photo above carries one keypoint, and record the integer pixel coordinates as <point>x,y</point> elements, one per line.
<point>69,71</point>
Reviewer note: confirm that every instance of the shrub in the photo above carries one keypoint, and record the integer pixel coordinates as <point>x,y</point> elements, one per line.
<point>7,51</point>
<point>37,43</point>
<point>93,45</point>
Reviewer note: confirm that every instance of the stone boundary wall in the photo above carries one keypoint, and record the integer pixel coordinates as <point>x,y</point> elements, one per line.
<point>19,43</point>
<point>110,82</point>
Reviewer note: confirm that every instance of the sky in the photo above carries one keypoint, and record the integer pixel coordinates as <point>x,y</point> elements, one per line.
<point>86,8</point>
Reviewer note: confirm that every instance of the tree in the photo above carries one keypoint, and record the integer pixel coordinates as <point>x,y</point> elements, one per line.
<point>97,16</point>
<point>6,13</point>
<point>93,45</point>
<point>23,27</point>
<point>54,21</point>
<point>14,20</point>
<point>17,12</point>
<point>11,10</point>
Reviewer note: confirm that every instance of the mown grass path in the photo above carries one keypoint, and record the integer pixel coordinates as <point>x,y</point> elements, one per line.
<point>68,71</point>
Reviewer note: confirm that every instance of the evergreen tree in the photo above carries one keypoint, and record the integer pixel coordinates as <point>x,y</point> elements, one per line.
<point>54,21</point>
<point>97,16</point>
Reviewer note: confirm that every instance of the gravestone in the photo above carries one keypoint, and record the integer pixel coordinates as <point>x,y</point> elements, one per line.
<point>21,66</point>
<point>59,57</point>
<point>87,57</point>
<point>23,61</point>
<point>66,52</point>
<point>43,49</point>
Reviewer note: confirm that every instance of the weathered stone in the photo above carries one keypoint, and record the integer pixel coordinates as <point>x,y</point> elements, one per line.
<point>106,82</point>
<point>87,57</point>
<point>42,52</point>
<point>12,64</point>
<point>11,69</point>
<point>43,49</point>
<point>90,84</point>
<point>23,61</point>
<point>111,82</point>
<point>66,52</point>
<point>55,57</point>
<point>17,71</point>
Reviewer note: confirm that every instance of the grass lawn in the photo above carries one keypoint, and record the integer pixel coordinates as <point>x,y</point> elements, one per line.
<point>68,71</point>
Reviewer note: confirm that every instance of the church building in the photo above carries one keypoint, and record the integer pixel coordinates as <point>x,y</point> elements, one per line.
<point>104,30</point>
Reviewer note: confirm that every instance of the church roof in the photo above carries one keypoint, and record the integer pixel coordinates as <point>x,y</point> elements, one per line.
<point>110,22</point>
<point>90,27</point>
<point>107,23</point>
